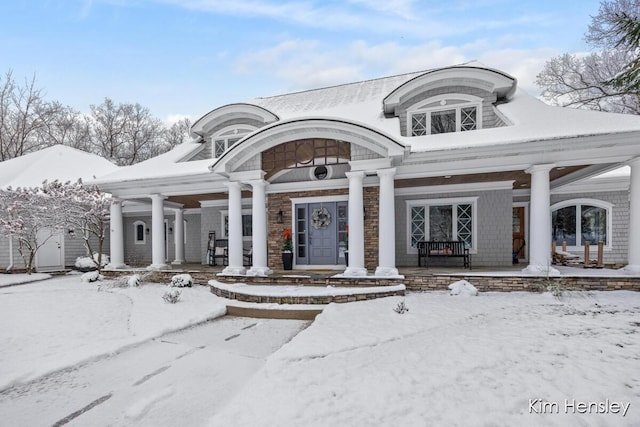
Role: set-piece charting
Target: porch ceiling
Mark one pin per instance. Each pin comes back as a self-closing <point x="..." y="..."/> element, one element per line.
<point x="521" y="180"/>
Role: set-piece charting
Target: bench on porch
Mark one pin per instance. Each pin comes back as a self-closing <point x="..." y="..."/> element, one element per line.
<point x="451" y="249"/>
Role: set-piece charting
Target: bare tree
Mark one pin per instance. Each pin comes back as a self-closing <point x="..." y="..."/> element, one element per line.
<point x="177" y="133"/>
<point x="22" y="114"/>
<point x="63" y="125"/>
<point x="588" y="81"/>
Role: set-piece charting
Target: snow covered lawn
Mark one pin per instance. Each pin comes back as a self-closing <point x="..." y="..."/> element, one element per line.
<point x="495" y="359"/>
<point x="57" y="323"/>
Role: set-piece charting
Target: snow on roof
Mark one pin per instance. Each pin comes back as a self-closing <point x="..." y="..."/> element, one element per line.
<point x="362" y="103"/>
<point x="165" y="165"/>
<point x="56" y="162"/>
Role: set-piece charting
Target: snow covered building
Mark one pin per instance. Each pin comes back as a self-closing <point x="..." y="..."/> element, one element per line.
<point x="61" y="163"/>
<point x="450" y="154"/>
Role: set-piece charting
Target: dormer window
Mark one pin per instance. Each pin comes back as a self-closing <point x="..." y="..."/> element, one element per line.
<point x="226" y="138"/>
<point x="444" y="114"/>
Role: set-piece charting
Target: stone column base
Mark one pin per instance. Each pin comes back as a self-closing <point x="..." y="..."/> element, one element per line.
<point x="259" y="271"/>
<point x="388" y="272"/>
<point x="355" y="272"/>
<point x="233" y="271"/>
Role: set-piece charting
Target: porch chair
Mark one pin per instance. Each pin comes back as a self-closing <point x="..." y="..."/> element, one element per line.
<point x="220" y="251"/>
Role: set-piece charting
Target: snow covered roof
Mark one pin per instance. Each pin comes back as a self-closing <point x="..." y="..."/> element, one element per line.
<point x="56" y="162"/>
<point x="363" y="104"/>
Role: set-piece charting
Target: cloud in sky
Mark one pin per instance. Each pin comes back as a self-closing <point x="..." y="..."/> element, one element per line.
<point x="186" y="57"/>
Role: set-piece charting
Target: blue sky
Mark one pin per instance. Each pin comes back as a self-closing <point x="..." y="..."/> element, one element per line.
<point x="187" y="57"/>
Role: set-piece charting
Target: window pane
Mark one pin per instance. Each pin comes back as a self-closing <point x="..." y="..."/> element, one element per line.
<point x="468" y="119"/>
<point x="418" y="124"/>
<point x="564" y="225"/>
<point x="465" y="228"/>
<point x="247" y="226"/>
<point x="219" y="147"/>
<point x="594" y="224"/>
<point x="440" y="223"/>
<point x="139" y="233"/>
<point x="443" y="121"/>
<point x="417" y="225"/>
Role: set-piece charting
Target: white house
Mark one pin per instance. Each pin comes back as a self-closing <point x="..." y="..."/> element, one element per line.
<point x="56" y="162"/>
<point x="451" y="154"/>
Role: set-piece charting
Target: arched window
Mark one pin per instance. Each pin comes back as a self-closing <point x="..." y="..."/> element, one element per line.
<point x="139" y="233"/>
<point x="224" y="139"/>
<point x="444" y="114"/>
<point x="578" y="221"/>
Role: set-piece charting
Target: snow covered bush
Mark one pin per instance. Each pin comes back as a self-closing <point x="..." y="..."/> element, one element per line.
<point x="181" y="281"/>
<point x="91" y="276"/>
<point x="463" y="288"/>
<point x="172" y="295"/>
<point x="134" y="281"/>
<point x="86" y="263"/>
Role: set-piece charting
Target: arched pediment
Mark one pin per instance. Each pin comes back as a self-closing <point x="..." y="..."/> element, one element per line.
<point x="490" y="80"/>
<point x="240" y="113"/>
<point x="309" y="128"/>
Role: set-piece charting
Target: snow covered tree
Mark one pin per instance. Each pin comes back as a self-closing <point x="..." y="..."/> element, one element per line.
<point x="588" y="81"/>
<point x="32" y="218"/>
<point x="86" y="211"/>
<point x="628" y="29"/>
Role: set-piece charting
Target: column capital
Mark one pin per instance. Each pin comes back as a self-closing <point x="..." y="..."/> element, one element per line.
<point x="157" y="196"/>
<point x="233" y="185"/>
<point x="257" y="183"/>
<point x="390" y="172"/>
<point x="355" y="174"/>
<point x="540" y="168"/>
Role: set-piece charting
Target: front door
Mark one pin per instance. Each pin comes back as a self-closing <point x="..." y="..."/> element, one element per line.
<point x="320" y="233"/>
<point x="50" y="256"/>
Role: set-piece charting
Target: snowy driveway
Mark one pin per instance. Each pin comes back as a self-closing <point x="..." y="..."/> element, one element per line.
<point x="182" y="378"/>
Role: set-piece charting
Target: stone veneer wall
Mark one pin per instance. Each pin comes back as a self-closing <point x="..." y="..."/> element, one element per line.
<point x="282" y="201"/>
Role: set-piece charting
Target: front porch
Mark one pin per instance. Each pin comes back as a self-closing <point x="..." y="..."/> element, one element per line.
<point x="416" y="279"/>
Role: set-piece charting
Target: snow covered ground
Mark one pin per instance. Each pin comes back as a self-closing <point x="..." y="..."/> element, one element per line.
<point x="53" y="324"/>
<point x="492" y="359"/>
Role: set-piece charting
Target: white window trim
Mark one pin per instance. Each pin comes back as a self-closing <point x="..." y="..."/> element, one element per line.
<point x="473" y="201"/>
<point x="591" y="202"/>
<point x="471" y="101"/>
<point x="144" y="233"/>
<point x="221" y="135"/>
<point x="224" y="214"/>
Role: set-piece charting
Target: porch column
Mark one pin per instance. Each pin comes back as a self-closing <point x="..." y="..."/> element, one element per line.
<point x="259" y="228"/>
<point x="633" y="256"/>
<point x="158" y="256"/>
<point x="178" y="235"/>
<point x="386" y="225"/>
<point x="356" y="226"/>
<point x="116" y="235"/>
<point x="235" y="266"/>
<point x="540" y="223"/>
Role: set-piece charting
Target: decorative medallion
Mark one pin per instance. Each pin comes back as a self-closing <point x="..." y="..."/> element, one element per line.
<point x="321" y="218"/>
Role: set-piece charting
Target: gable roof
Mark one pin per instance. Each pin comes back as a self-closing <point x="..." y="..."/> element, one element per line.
<point x="56" y="162"/>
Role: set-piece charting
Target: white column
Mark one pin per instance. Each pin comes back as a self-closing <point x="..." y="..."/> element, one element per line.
<point x="540" y="222"/>
<point x="633" y="254"/>
<point x="158" y="255"/>
<point x="235" y="266"/>
<point x="259" y="227"/>
<point x="116" y="235"/>
<point x="178" y="235"/>
<point x="356" y="226"/>
<point x="386" y="225"/>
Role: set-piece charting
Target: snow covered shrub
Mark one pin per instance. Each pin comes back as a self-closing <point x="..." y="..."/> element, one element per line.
<point x="134" y="280"/>
<point x="181" y="281"/>
<point x="463" y="288"/>
<point x="85" y="263"/>
<point x="172" y="295"/>
<point x="91" y="276"/>
<point x="401" y="308"/>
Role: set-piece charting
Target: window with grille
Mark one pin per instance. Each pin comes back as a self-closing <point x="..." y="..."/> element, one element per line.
<point x="578" y="221"/>
<point x="445" y="114"/>
<point x="442" y="220"/>
<point x="226" y="139"/>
